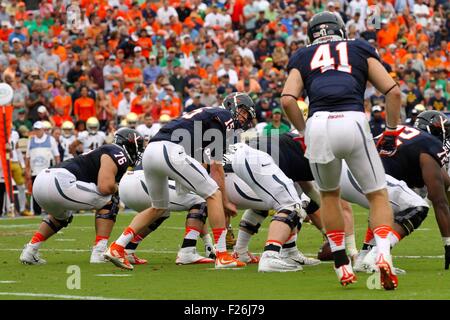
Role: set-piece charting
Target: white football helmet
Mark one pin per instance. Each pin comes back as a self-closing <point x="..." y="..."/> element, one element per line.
<point x="67" y="129"/>
<point x="92" y="125"/>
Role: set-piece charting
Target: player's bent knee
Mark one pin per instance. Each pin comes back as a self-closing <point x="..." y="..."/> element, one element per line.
<point x="252" y="219"/>
<point x="292" y="217"/>
<point x="411" y="219"/>
<point x="198" y="212"/>
<point x="109" y="211"/>
<point x="61" y="223"/>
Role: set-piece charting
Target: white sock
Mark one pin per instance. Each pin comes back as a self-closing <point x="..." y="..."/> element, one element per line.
<point x="242" y="241"/>
<point x="350" y="244"/>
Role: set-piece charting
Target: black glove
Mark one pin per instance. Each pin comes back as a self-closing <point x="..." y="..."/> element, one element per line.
<point x="447" y="257"/>
<point x="387" y="145"/>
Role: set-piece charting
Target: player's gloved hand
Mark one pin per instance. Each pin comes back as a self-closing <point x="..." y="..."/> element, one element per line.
<point x="301" y="140"/>
<point x="387" y="144"/>
<point x="447" y="257"/>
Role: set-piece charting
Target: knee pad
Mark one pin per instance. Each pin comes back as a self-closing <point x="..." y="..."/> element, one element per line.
<point x="201" y="214"/>
<point x="252" y="219"/>
<point x="113" y="210"/>
<point x="411" y="219"/>
<point x="54" y="227"/>
<point x="294" y="217"/>
<point x="157" y="223"/>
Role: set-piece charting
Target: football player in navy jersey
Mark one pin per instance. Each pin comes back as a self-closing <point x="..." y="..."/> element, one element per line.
<point x="334" y="70"/>
<point x="420" y="161"/>
<point x="86" y="182"/>
<point x="176" y="152"/>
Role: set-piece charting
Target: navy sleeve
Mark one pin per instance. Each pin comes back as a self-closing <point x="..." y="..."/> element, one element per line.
<point x="366" y="50"/>
<point x="117" y="155"/>
<point x="435" y="149"/>
<point x="295" y="61"/>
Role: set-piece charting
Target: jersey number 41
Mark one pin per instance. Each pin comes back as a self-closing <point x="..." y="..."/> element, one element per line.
<point x="322" y="58"/>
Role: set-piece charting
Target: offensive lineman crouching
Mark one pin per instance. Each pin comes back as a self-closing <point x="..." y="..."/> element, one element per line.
<point x="86" y="182"/>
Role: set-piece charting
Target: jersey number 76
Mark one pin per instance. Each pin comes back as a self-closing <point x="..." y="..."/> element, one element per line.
<point x="322" y="58"/>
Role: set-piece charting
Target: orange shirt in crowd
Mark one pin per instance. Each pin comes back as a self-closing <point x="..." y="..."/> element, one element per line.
<point x="433" y="63"/>
<point x="61" y="52"/>
<point x="58" y="120"/>
<point x="93" y="31"/>
<point x="84" y="108"/>
<point x="132" y="73"/>
<point x="146" y="45"/>
<point x="115" y="99"/>
<point x="56" y="30"/>
<point x="4" y="34"/>
<point x="386" y="37"/>
<point x="171" y="107"/>
<point x="65" y="103"/>
<point x="136" y="106"/>
<point x="187" y="48"/>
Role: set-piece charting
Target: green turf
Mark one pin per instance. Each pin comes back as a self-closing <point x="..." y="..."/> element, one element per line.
<point x="162" y="279"/>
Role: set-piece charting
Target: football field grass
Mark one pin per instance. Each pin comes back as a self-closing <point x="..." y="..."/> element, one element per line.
<point x="421" y="255"/>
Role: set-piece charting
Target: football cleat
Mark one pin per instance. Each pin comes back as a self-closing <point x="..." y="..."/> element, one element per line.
<point x="271" y="261"/>
<point x="97" y="253"/>
<point x="358" y="265"/>
<point x="246" y="257"/>
<point x="30" y="255"/>
<point x="368" y="262"/>
<point x="345" y="274"/>
<point x="133" y="258"/>
<point x="116" y="254"/>
<point x="190" y="256"/>
<point x="293" y="255"/>
<point x="225" y="260"/>
<point x="388" y="278"/>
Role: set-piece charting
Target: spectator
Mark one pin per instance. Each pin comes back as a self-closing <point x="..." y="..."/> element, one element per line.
<point x="42" y="152"/>
<point x="227" y="69"/>
<point x="438" y="101"/>
<point x="124" y="106"/>
<point x="152" y="71"/>
<point x="84" y="106"/>
<point x="377" y="123"/>
<point x="96" y="73"/>
<point x="276" y="126"/>
<point x="22" y="120"/>
<point x="171" y="104"/>
<point x="112" y="73"/>
<point x="413" y="95"/>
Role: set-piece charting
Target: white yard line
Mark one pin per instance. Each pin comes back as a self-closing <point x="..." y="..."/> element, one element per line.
<point x="56" y="296"/>
<point x="112" y="275"/>
<point x="7" y="281"/>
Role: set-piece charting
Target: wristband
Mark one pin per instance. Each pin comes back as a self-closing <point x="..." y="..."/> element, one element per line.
<point x="390" y="128"/>
<point x="446" y="241"/>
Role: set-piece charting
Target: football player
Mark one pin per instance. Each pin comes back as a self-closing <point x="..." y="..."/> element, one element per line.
<point x="67" y="138"/>
<point x="420" y="161"/>
<point x="176" y="152"/>
<point x="133" y="192"/>
<point x="86" y="182"/>
<point x="91" y="138"/>
<point x="334" y="70"/>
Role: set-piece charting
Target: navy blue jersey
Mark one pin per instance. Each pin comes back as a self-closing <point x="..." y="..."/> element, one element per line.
<point x="334" y="74"/>
<point x="87" y="165"/>
<point x="288" y="155"/>
<point x="191" y="131"/>
<point x="405" y="164"/>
